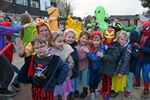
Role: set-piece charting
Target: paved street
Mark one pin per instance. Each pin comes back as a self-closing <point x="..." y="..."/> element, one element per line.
<point x="25" y="94"/>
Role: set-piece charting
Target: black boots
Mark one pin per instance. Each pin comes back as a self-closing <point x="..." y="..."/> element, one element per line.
<point x="76" y="94"/>
<point x="84" y="93"/>
<point x="113" y="94"/>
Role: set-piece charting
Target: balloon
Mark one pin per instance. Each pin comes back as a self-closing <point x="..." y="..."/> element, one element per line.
<point x="53" y="16"/>
<point x="75" y="25"/>
<point x="100" y="17"/>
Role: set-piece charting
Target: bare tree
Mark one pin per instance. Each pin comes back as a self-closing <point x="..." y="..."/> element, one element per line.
<point x="65" y="8"/>
<point x="146" y="4"/>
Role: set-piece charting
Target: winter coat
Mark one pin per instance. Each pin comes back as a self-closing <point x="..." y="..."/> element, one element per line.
<point x="110" y="59"/>
<point x="75" y="59"/>
<point x="123" y="64"/>
<point x="95" y="68"/>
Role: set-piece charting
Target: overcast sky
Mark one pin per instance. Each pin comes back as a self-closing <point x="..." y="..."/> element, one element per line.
<point x="113" y="7"/>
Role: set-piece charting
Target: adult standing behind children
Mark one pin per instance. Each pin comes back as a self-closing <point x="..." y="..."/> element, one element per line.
<point x="6" y="72"/>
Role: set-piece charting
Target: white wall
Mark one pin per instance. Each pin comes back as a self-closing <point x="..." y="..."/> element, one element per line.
<point x="44" y="4"/>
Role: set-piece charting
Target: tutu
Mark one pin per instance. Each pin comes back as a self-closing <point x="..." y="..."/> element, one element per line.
<point x="63" y="89"/>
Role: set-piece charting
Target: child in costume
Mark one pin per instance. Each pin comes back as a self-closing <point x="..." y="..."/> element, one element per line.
<point x="69" y="35"/>
<point x="83" y="62"/>
<point x="145" y="56"/>
<point x="64" y="52"/>
<point x="110" y="59"/>
<point x="109" y="35"/>
<point x="134" y="38"/>
<point x="95" y="62"/>
<point x="45" y="71"/>
<point x="119" y="78"/>
<point x="141" y="59"/>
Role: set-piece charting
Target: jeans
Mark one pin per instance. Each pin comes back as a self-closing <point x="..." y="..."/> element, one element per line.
<point x="75" y="84"/>
<point x="129" y="84"/>
<point x="138" y="69"/>
<point x="84" y="77"/>
<point x="6" y="72"/>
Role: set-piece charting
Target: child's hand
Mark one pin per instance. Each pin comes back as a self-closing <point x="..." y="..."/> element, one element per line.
<point x="106" y="47"/>
<point x="26" y="25"/>
<point x="136" y="44"/>
<point x="100" y="54"/>
<point x="18" y="41"/>
<point x="119" y="75"/>
<point x="20" y="47"/>
<point x="86" y="50"/>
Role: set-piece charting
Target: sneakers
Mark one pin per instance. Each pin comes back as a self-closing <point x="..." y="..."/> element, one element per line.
<point x="113" y="94"/>
<point x="84" y="93"/>
<point x="127" y="94"/>
<point x="106" y="95"/>
<point x="136" y="85"/>
<point x="96" y="93"/>
<point x="6" y="92"/>
<point x="145" y="94"/>
<point x="17" y="88"/>
<point x="93" y="96"/>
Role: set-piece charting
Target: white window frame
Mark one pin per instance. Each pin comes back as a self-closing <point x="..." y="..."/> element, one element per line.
<point x="22" y="2"/>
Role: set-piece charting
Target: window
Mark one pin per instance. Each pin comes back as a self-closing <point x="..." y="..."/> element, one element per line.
<point x="45" y="5"/>
<point x="34" y="4"/>
<point x="22" y="2"/>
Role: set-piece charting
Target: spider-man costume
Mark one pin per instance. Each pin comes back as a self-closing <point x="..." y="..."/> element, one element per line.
<point x="144" y="57"/>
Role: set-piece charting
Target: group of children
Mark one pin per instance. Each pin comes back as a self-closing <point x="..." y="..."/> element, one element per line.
<point x="58" y="65"/>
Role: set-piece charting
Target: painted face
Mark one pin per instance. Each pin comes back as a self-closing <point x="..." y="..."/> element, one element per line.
<point x="109" y="35"/>
<point x="84" y="40"/>
<point x="59" y="43"/>
<point x="122" y="40"/>
<point x="70" y="38"/>
<point x="40" y="49"/>
<point x="44" y="32"/>
<point x="96" y="41"/>
<point x="131" y="22"/>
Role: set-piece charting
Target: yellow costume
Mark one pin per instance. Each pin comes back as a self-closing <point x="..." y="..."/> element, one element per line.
<point x="118" y="83"/>
<point x="53" y="16"/>
<point x="75" y="25"/>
